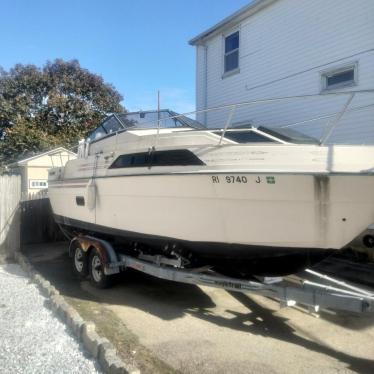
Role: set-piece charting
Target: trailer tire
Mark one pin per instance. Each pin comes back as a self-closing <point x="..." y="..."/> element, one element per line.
<point x="96" y="269"/>
<point x="368" y="241"/>
<point x="80" y="261"/>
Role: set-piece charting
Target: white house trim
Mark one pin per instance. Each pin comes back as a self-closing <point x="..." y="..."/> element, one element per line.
<point x="245" y="12"/>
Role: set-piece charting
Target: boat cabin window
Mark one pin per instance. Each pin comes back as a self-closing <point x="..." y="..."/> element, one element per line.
<point x="112" y="125"/>
<point x="134" y="160"/>
<point x="149" y="119"/>
<point x="97" y="134"/>
<point x="142" y="120"/>
<point x="179" y="157"/>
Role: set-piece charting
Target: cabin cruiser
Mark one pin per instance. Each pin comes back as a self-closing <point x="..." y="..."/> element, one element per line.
<point x="244" y="200"/>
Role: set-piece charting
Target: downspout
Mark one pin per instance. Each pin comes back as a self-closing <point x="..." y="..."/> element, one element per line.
<point x="201" y="82"/>
<point x="205" y="84"/>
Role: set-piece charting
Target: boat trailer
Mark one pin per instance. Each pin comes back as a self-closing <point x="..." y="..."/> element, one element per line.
<point x="100" y="260"/>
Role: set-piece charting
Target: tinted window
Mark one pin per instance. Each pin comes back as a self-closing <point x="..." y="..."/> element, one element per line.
<point x="132" y="160"/>
<point x="178" y="157"/>
<point x="245" y="137"/>
<point x="158" y="158"/>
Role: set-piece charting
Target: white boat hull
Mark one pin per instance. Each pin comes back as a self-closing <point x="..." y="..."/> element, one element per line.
<point x="270" y="210"/>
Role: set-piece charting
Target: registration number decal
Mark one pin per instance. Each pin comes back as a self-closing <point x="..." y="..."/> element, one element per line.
<point x="239" y="179"/>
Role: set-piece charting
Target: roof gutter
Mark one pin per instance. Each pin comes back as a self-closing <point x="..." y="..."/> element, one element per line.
<point x="245" y="12"/>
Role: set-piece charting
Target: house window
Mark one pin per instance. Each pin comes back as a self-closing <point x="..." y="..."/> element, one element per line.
<point x="342" y="77"/>
<point x="231" y="62"/>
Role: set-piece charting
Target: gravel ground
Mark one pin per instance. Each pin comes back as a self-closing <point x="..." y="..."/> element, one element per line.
<point x="32" y="339"/>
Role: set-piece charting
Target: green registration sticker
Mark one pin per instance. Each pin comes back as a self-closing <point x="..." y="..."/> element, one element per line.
<point x="270" y="180"/>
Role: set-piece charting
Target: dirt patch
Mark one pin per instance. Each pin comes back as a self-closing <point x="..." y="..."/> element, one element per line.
<point x="126" y="343"/>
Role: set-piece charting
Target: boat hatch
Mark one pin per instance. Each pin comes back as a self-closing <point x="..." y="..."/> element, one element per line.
<point x="289" y="135"/>
<point x="262" y="134"/>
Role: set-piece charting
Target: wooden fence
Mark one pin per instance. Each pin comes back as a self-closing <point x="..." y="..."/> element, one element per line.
<point x="37" y="222"/>
<point x="10" y="196"/>
<point x="24" y="219"/>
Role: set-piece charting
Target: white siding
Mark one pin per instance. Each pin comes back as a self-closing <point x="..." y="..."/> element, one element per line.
<point x="283" y="50"/>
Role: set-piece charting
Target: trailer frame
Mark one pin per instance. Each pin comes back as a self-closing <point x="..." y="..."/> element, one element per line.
<point x="325" y="293"/>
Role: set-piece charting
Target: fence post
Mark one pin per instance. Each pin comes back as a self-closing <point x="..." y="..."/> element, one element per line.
<point x="10" y="197"/>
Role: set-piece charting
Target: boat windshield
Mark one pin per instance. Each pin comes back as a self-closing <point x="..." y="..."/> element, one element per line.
<point x="289" y="135"/>
<point x="142" y="120"/>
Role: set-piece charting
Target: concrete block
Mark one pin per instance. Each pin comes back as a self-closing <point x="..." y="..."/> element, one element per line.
<point x="44" y="288"/>
<point x="53" y="291"/>
<point x="56" y="300"/>
<point x="62" y="310"/>
<point x="76" y="325"/>
<point x="106" y="358"/>
<point x="117" y="366"/>
<point x="71" y="316"/>
<point x="22" y="263"/>
<point x="91" y="340"/>
<point x="37" y="278"/>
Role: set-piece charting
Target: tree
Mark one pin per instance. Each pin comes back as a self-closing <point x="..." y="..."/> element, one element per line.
<point x="56" y="105"/>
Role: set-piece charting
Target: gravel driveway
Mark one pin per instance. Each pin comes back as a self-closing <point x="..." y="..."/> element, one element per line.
<point x="32" y="339"/>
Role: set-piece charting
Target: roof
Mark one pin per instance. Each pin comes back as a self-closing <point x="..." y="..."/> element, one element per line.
<point x="48" y="153"/>
<point x="244" y="12"/>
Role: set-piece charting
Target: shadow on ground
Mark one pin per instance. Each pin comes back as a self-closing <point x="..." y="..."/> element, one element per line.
<point x="262" y="321"/>
<point x="169" y="300"/>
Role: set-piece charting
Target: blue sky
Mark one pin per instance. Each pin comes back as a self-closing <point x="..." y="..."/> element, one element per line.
<point x="139" y="46"/>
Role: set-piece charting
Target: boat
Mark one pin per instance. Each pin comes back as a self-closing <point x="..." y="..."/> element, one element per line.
<point x="243" y="200"/>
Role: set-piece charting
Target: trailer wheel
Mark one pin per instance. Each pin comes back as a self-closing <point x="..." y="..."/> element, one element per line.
<point x="368" y="241"/>
<point x="97" y="276"/>
<point x="80" y="261"/>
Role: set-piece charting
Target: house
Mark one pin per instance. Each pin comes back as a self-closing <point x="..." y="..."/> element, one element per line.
<point x="34" y="170"/>
<point x="321" y="50"/>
